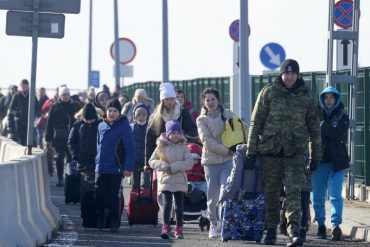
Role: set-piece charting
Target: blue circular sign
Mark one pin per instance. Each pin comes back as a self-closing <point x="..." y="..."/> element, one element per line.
<point x="343" y="12"/>
<point x="272" y="55"/>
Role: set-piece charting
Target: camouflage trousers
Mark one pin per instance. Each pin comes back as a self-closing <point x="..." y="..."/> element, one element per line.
<point x="277" y="171"/>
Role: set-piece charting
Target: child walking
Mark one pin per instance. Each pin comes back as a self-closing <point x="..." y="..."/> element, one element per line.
<point x="139" y="126"/>
<point x="171" y="159"/>
<point x="114" y="160"/>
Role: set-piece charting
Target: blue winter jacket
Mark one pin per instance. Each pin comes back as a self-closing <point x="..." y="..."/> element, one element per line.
<point x="115" y="147"/>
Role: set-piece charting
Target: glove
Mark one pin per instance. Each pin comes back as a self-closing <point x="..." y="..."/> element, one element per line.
<point x="165" y="168"/>
<point x="312" y="165"/>
<point x="249" y="162"/>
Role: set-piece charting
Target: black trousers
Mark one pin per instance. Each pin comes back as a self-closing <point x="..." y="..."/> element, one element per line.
<point x="61" y="152"/>
<point x="107" y="188"/>
<point x="179" y="206"/>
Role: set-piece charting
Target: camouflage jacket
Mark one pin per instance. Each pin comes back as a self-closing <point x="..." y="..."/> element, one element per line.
<point x="284" y="121"/>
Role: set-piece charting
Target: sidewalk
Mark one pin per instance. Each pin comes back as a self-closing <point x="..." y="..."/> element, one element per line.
<point x="356" y="219"/>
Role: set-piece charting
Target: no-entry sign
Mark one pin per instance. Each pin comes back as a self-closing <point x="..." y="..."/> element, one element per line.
<point x="127" y="50"/>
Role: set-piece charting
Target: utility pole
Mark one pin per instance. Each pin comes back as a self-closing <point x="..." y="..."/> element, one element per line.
<point x="245" y="94"/>
<point x="165" y="76"/>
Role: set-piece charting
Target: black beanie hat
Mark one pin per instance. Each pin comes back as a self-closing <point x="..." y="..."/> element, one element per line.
<point x="115" y="104"/>
<point x="89" y="112"/>
<point x="141" y="105"/>
<point x="289" y="65"/>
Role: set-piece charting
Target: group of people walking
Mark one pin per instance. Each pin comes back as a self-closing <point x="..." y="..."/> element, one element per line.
<point x="291" y="132"/>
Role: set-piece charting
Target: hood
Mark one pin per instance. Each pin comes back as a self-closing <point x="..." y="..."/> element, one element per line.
<point x="164" y="141"/>
<point x="100" y="95"/>
<point x="333" y="90"/>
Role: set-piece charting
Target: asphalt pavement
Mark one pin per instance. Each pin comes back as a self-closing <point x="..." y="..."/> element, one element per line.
<point x="71" y="233"/>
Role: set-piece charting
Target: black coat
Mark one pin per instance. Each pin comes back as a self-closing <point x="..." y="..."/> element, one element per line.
<point x="60" y="121"/>
<point x="188" y="127"/>
<point x="18" y="109"/>
<point x="139" y="132"/>
<point x="334" y="138"/>
<point x="82" y="143"/>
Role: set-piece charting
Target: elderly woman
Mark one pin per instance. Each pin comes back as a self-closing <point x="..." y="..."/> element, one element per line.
<point x="139" y="97"/>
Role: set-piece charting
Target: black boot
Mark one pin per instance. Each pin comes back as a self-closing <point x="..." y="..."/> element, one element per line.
<point x="114" y="225"/>
<point x="321" y="232"/>
<point x="302" y="234"/>
<point x="102" y="219"/>
<point x="270" y="238"/>
<point x="337" y="233"/>
<point x="295" y="240"/>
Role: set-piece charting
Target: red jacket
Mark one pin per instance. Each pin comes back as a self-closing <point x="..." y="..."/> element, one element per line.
<point x="196" y="174"/>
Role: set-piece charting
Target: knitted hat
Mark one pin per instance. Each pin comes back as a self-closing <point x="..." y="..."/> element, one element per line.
<point x="142" y="106"/>
<point x="289" y="65"/>
<point x="172" y="126"/>
<point x="63" y="90"/>
<point x="140" y="92"/>
<point x="166" y="90"/>
<point x="115" y="104"/>
<point x="89" y="112"/>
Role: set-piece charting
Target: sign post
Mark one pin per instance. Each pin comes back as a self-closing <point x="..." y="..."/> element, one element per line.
<point x="36" y="24"/>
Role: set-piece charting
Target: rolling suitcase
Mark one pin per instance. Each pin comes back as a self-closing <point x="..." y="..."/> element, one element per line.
<point x="244" y="215"/>
<point x="143" y="206"/>
<point x="72" y="184"/>
<point x="88" y="204"/>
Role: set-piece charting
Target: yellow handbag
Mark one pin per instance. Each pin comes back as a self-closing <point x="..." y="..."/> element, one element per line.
<point x="234" y="133"/>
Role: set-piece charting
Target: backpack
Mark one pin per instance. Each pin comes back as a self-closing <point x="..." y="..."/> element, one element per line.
<point x="234" y="133"/>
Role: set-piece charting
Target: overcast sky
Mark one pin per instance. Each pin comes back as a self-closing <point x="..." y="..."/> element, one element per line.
<point x="199" y="41"/>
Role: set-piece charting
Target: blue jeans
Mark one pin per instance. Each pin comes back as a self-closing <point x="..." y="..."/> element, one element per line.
<point x="216" y="176"/>
<point x="325" y="179"/>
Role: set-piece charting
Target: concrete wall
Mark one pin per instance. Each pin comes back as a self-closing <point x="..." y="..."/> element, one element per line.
<point x="29" y="217"/>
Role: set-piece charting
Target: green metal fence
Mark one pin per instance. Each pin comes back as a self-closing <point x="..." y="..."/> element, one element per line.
<point x="316" y="80"/>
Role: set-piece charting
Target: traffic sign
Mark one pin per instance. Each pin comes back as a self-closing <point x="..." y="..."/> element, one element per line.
<point x="57" y="6"/>
<point x="234" y="30"/>
<point x="127" y="50"/>
<point x="272" y="55"/>
<point x="343" y="12"/>
<point x="124" y="70"/>
<point x="95" y="78"/>
<point x="344" y="54"/>
<point x="20" y="24"/>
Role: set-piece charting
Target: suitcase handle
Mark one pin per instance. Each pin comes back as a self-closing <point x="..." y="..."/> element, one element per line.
<point x="151" y="183"/>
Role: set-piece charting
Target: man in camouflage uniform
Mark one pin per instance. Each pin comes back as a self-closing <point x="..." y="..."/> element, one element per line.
<point x="283" y="122"/>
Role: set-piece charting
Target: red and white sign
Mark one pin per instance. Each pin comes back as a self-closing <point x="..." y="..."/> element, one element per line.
<point x="127" y="50"/>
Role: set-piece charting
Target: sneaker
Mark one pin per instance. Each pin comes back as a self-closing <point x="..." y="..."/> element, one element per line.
<point x="178" y="232"/>
<point x="213" y="231"/>
<point x="295" y="240"/>
<point x="337" y="233"/>
<point x="270" y="238"/>
<point x="321" y="232"/>
<point x="165" y="231"/>
<point x="302" y="234"/>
